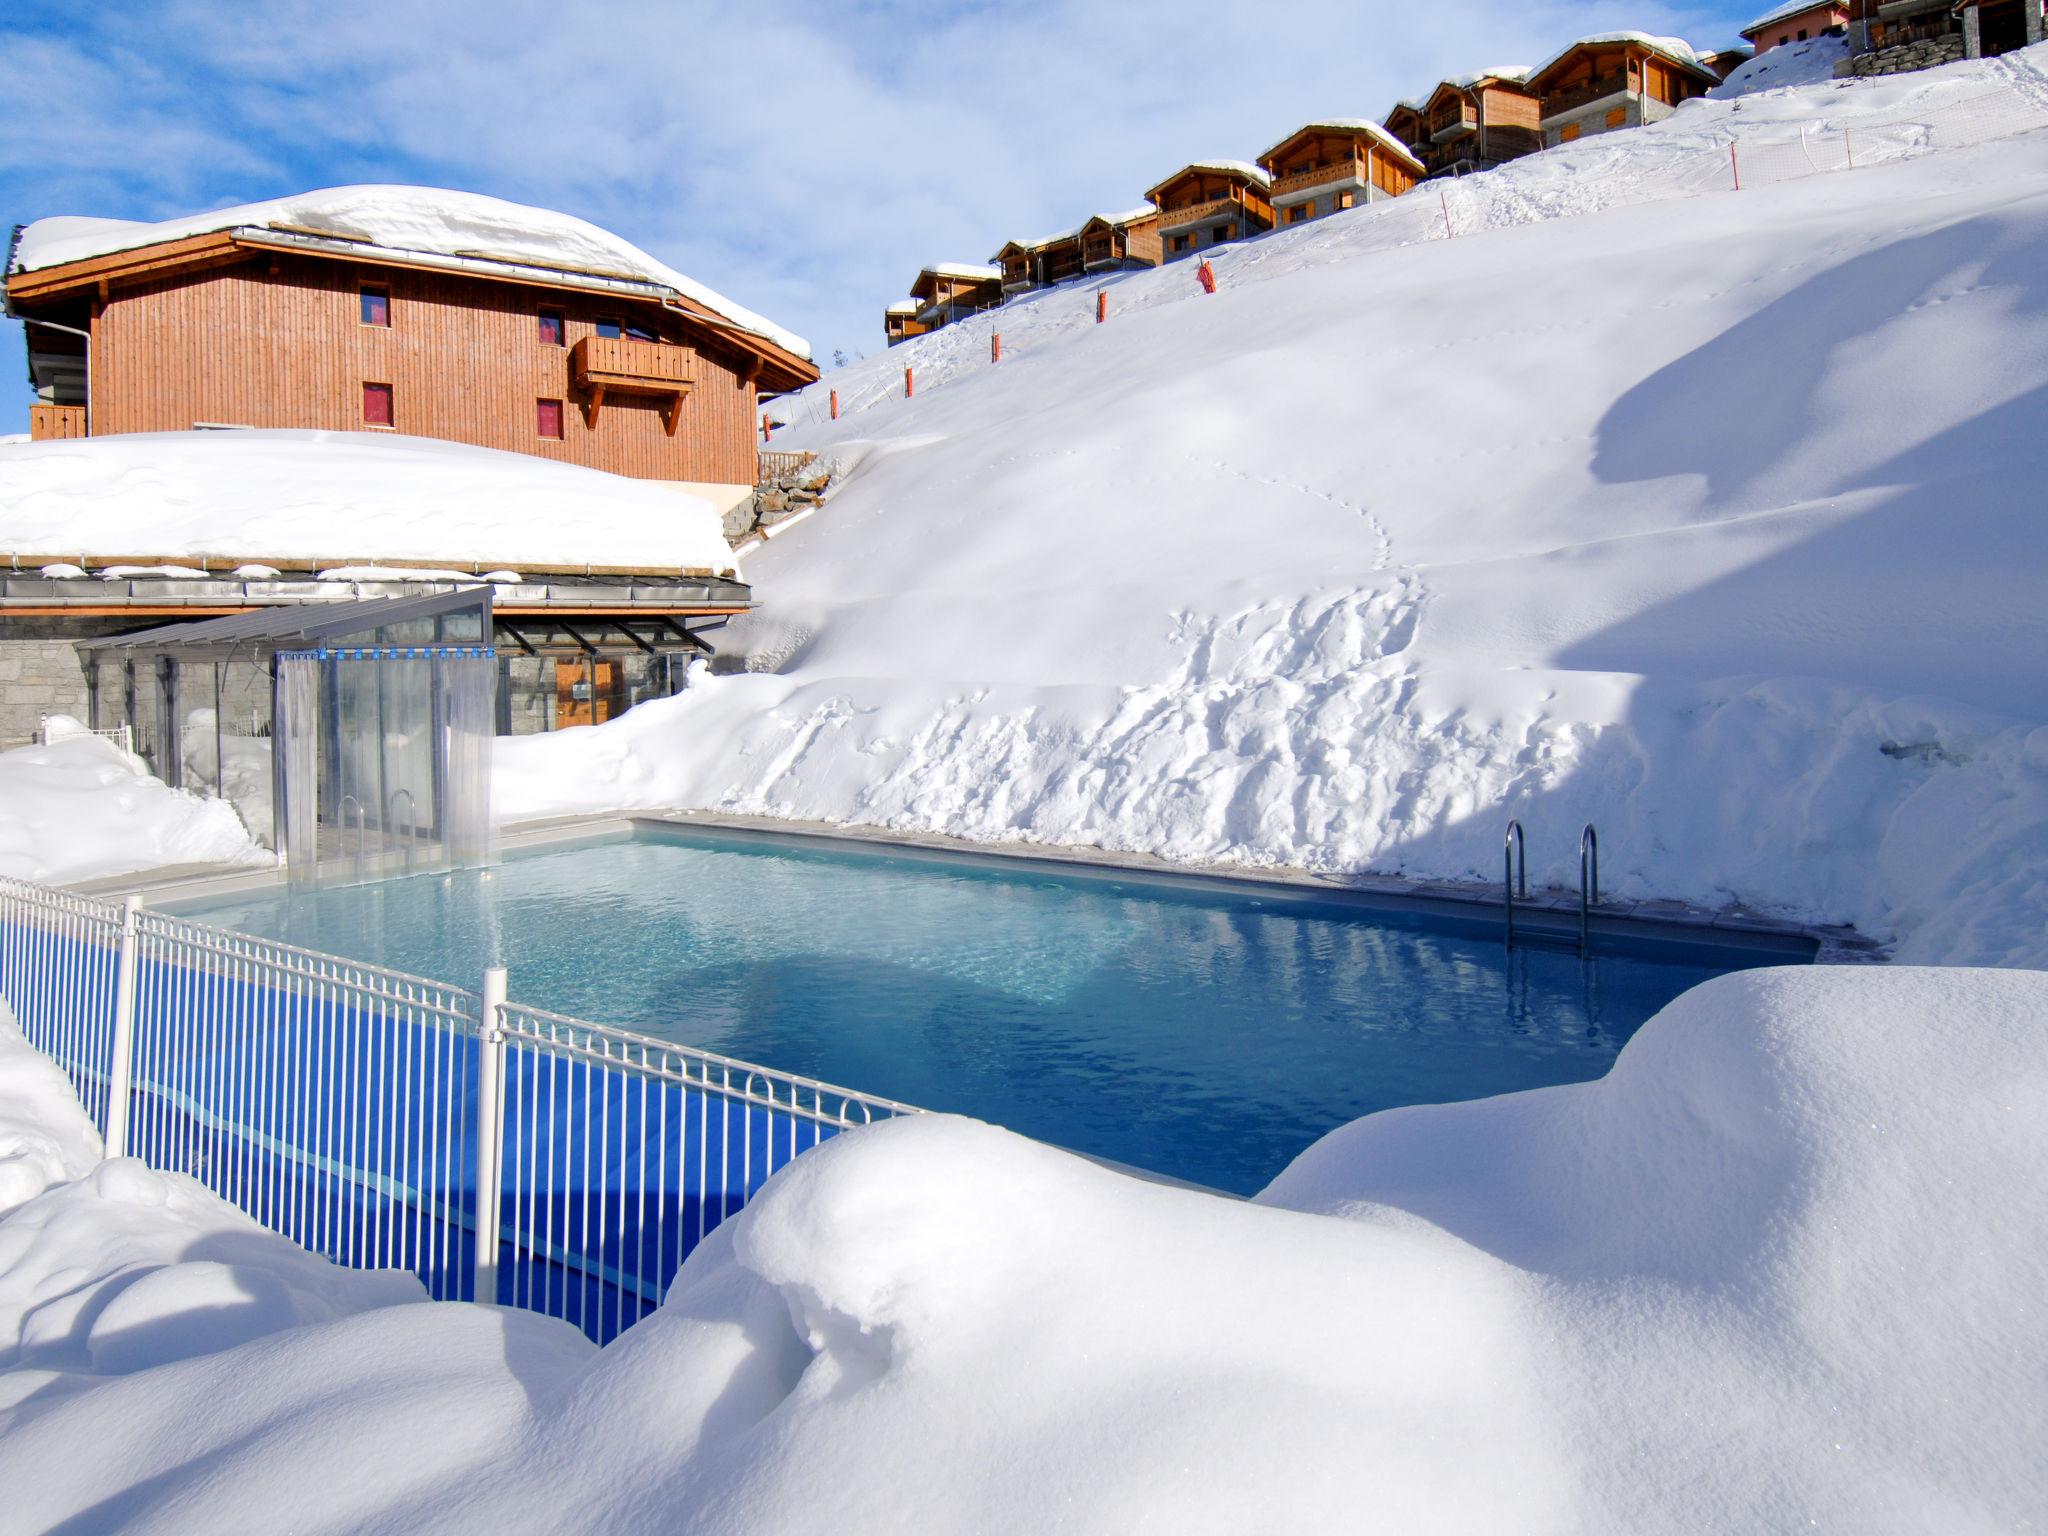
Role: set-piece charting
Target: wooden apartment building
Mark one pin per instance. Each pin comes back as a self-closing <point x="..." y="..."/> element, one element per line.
<point x="1325" y="167"/>
<point x="1211" y="202"/>
<point x="1476" y="122"/>
<point x="267" y="324"/>
<point x="1616" y="80"/>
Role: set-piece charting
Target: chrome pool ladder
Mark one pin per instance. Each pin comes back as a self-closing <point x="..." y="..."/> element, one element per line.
<point x="1589" y="879"/>
<point x="1514" y="853"/>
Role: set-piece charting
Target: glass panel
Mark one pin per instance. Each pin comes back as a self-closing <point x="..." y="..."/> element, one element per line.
<point x="298" y="729"/>
<point x="607" y="327"/>
<point x="376" y="307"/>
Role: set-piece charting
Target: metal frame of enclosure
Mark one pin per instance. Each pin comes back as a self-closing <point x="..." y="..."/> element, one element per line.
<point x="354" y="737"/>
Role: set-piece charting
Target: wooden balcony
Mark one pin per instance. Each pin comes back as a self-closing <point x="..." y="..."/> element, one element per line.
<point x="1195" y="213"/>
<point x="1557" y="103"/>
<point x="47" y="423"/>
<point x="1331" y="174"/>
<point x="1452" y="127"/>
<point x="620" y="365"/>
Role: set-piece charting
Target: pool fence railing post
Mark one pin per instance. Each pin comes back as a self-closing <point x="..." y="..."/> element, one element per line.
<point x="490" y="1133"/>
<point x="121" y="1053"/>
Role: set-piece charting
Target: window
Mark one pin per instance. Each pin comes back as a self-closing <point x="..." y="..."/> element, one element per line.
<point x="376" y="305"/>
<point x="612" y="325"/>
<point x="377" y="405"/>
<point x="547" y="419"/>
<point x="1180" y="242"/>
<point x="1617" y="117"/>
<point x="1344" y="200"/>
<point x="635" y="333"/>
<point x="608" y="325"/>
<point x="1301" y="211"/>
<point x="1219" y="234"/>
<point x="551" y="328"/>
<point x="1802" y="34"/>
<point x="1567" y="133"/>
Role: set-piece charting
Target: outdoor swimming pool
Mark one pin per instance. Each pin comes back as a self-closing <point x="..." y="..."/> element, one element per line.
<point x="1197" y="1029"/>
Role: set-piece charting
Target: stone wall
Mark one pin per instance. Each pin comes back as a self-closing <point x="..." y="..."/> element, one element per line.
<point x="777" y="498"/>
<point x="1905" y="58"/>
<point x="40" y="674"/>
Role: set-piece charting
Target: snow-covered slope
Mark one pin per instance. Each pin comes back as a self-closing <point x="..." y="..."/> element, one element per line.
<point x="1781" y="1268"/>
<point x="1708" y="517"/>
<point x="428" y="220"/>
<point x="332" y="497"/>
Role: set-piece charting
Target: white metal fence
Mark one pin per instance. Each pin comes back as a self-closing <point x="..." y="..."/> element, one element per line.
<point x="371" y="1116"/>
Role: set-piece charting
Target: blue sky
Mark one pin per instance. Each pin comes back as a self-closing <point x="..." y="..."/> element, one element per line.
<point x="804" y="158"/>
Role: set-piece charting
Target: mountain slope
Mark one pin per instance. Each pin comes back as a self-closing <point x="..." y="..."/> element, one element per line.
<point x="1708" y="517"/>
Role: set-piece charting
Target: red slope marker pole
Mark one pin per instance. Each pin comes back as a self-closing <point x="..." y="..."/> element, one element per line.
<point x="835" y="405"/>
<point x="1101" y="307"/>
<point x="1734" y="166"/>
<point x="995" y="347"/>
<point x="909" y="384"/>
<point x="1444" y="199"/>
<point x="767" y="430"/>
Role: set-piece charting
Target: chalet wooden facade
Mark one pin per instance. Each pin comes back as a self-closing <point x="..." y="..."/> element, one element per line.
<point x="954" y="290"/>
<point x="1617" y="80"/>
<point x="1796" y="23"/>
<point x="269" y="326"/>
<point x="1211" y="202"/>
<point x="1040" y="263"/>
<point x="900" y="322"/>
<point x="1477" y="122"/>
<point x="1112" y="242"/>
<point x="1325" y="167"/>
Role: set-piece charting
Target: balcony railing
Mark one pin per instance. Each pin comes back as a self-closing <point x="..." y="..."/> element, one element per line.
<point x="1195" y="213"/>
<point x="1332" y="173"/>
<point x="1464" y="122"/>
<point x="49" y="422"/>
<point x="601" y="365"/>
<point x="1556" y="103"/>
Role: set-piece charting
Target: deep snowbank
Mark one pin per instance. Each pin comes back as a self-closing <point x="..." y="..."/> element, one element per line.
<point x="333" y="497"/>
<point x="1711" y="520"/>
<point x="1781" y="1267"/>
<point x="81" y="807"/>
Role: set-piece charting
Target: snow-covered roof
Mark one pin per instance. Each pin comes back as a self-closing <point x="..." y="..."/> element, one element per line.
<point x="904" y="307"/>
<point x="1676" y="49"/>
<point x="1128" y="216"/>
<point x="338" y="498"/>
<point x="1787" y="11"/>
<point x="1244" y="168"/>
<point x="421" y="220"/>
<point x="1364" y="125"/>
<point x="962" y="269"/>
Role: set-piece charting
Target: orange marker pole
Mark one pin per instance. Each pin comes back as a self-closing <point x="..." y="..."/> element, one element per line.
<point x="1734" y="166"/>
<point x="767" y="430"/>
<point x="995" y="347"/>
<point x="835" y="405"/>
<point x="1101" y="307"/>
<point x="909" y="384"/>
<point x="1441" y="197"/>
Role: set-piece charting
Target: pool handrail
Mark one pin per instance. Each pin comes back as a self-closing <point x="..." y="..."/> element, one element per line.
<point x="1514" y="872"/>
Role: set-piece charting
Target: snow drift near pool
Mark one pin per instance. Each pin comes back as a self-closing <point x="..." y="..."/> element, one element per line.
<point x="1782" y="1267"/>
<point x="332" y="497"/>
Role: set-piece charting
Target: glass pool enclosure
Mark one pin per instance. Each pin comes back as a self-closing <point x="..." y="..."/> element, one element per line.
<point x="1205" y="1030"/>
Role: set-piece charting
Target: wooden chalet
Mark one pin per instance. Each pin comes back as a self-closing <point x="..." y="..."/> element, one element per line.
<point x="1616" y="80"/>
<point x="1991" y="27"/>
<point x="1796" y="22"/>
<point x="1479" y="121"/>
<point x="953" y="290"/>
<point x="1324" y="167"/>
<point x="1112" y="242"/>
<point x="260" y="322"/>
<point x="1725" y="61"/>
<point x="1028" y="264"/>
<point x="900" y="322"/>
<point x="1211" y="202"/>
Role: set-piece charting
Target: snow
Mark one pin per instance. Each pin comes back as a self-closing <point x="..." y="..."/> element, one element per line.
<point x="336" y="497"/>
<point x="967" y="270"/>
<point x="81" y="808"/>
<point x="424" y="220"/>
<point x="905" y="307"/>
<point x="1781" y="1266"/>
<point x="1128" y="216"/>
<point x="1710" y="520"/>
<point x="1809" y="63"/>
<point x="1243" y="168"/>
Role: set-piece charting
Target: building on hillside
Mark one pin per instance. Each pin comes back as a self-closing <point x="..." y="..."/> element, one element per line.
<point x="900" y="322"/>
<point x="399" y="309"/>
<point x="1795" y="22"/>
<point x="1112" y="242"/>
<point x="1040" y="263"/>
<point x="953" y="290"/>
<point x="1406" y="124"/>
<point x="1992" y="27"/>
<point x="1479" y="121"/>
<point x="1725" y="61"/>
<point x="1211" y="202"/>
<point x="1616" y="80"/>
<point x="1327" y="166"/>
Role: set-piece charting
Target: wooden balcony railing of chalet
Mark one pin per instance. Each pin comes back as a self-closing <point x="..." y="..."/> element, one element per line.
<point x="1557" y="102"/>
<point x="1195" y="213"/>
<point x="621" y="365"/>
<point x="1353" y="169"/>
<point x="1450" y="127"/>
<point x="49" y="422"/>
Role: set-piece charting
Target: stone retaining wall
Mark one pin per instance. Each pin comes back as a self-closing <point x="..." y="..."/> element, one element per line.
<point x="1905" y="58"/>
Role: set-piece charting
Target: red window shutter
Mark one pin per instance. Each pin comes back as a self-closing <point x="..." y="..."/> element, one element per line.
<point x="377" y="405"/>
<point x="548" y="418"/>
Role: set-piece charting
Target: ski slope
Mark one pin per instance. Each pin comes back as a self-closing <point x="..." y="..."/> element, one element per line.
<point x="1709" y="517"/>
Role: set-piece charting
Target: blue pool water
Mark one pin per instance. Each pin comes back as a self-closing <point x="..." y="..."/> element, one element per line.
<point x="1201" y="1031"/>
